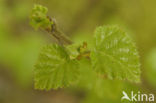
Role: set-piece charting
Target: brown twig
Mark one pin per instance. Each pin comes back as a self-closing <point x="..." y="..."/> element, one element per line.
<point x="56" y="33"/>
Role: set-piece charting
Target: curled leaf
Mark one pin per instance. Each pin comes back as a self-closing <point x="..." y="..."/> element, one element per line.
<point x="39" y="19"/>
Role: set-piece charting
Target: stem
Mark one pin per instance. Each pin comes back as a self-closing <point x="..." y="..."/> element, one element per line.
<point x="59" y="35"/>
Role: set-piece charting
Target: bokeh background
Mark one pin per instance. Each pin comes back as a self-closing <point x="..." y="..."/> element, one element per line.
<point x="20" y="43"/>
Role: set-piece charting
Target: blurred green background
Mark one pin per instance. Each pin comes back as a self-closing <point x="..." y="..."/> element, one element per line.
<point x="20" y="44"/>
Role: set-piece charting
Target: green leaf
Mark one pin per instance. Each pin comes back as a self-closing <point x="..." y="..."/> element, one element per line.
<point x="150" y="67"/>
<point x="39" y="19"/>
<point x="72" y="50"/>
<point x="54" y="68"/>
<point x="115" y="55"/>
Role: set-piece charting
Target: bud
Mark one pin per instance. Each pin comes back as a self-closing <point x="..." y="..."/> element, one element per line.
<point x="39" y="19"/>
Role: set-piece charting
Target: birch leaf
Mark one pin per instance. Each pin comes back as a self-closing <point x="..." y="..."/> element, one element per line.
<point x="54" y="68"/>
<point x="115" y="56"/>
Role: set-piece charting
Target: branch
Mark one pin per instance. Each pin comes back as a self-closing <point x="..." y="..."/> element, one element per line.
<point x="39" y="19"/>
<point x="58" y="34"/>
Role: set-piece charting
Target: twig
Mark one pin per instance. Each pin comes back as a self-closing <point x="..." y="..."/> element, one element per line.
<point x="59" y="35"/>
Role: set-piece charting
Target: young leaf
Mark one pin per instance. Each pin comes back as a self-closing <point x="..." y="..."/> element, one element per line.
<point x="115" y="55"/>
<point x="39" y="19"/>
<point x="54" y="68"/>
